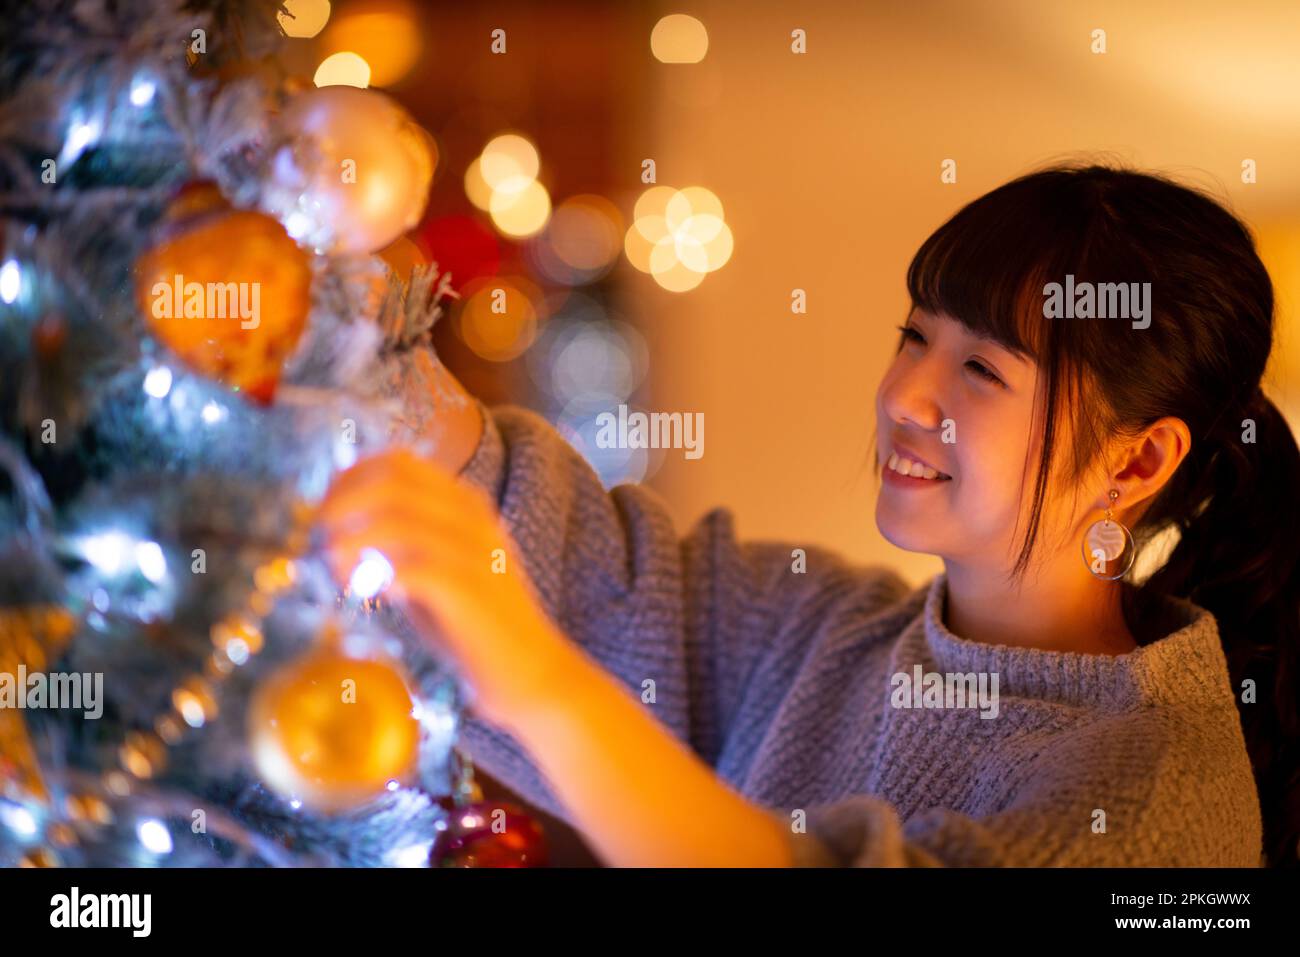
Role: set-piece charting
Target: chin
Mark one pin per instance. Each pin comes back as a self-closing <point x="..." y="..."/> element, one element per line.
<point x="900" y="532"/>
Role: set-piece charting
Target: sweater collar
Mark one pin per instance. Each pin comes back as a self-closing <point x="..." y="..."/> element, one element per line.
<point x="1188" y="661"/>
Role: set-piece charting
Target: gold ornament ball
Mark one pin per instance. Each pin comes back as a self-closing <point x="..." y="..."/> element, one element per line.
<point x="227" y="290"/>
<point x="332" y="730"/>
<point x="356" y="172"/>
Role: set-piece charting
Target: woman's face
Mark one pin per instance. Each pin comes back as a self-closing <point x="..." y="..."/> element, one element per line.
<point x="964" y="406"/>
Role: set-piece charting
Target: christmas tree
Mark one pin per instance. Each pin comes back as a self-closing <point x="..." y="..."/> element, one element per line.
<point x="196" y="335"/>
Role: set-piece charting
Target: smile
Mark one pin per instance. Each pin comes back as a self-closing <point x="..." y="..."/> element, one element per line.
<point x="914" y="469"/>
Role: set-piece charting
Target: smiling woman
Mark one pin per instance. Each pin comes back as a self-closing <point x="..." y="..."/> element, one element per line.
<point x="706" y="701"/>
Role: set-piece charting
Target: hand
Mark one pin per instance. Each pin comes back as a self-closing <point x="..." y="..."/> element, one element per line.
<point x="441" y="537"/>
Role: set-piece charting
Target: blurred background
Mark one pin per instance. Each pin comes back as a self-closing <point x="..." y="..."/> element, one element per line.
<point x="668" y="286"/>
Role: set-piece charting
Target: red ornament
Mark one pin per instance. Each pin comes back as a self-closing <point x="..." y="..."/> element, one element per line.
<point x="490" y="834"/>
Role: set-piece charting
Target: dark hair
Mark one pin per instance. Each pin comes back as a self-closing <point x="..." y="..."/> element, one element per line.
<point x="1232" y="501"/>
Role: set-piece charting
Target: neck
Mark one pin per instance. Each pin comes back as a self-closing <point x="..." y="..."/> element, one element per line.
<point x="1055" y="608"/>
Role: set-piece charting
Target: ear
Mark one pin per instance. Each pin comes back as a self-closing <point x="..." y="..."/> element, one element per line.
<point x="1149" y="461"/>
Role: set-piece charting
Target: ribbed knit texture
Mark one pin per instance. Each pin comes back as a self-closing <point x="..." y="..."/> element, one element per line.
<point x="781" y="681"/>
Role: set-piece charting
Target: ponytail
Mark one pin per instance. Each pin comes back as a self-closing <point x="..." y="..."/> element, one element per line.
<point x="1239" y="557"/>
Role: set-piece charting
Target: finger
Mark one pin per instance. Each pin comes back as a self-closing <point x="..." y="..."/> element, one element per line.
<point x="400" y="463"/>
<point x="412" y="518"/>
<point x="406" y="553"/>
<point x="420" y="490"/>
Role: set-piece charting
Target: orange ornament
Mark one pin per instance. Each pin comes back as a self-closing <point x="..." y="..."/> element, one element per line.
<point x="332" y="730"/>
<point x="227" y="290"/>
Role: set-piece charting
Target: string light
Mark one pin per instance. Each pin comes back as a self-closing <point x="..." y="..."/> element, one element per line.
<point x="158" y="382"/>
<point x="82" y="133"/>
<point x="11" y="281"/>
<point x="154" y="836"/>
<point x="372" y="575"/>
<point x="142" y="91"/>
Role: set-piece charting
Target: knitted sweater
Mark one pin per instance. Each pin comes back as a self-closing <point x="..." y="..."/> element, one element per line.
<point x="791" y="679"/>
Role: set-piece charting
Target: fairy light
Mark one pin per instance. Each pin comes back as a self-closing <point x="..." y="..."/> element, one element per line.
<point x="154" y="836"/>
<point x="11" y="281"/>
<point x="108" y="551"/>
<point x="142" y="91"/>
<point x="81" y="134"/>
<point x="158" y="382"/>
<point x="18" y="819"/>
<point x="372" y="575"/>
<point x="213" y="413"/>
<point x="150" y="560"/>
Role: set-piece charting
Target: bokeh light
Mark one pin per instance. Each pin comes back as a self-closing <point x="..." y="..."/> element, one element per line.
<point x="523" y="213"/>
<point x="581" y="242"/>
<point x="509" y="163"/>
<point x="503" y="182"/>
<point x="343" y="69"/>
<point x="678" y="236"/>
<point x="580" y="425"/>
<point x="476" y="187"/>
<point x="385" y="33"/>
<point x="679" y="38"/>
<point x="303" y="18"/>
<point x="498" y="317"/>
<point x="586" y="351"/>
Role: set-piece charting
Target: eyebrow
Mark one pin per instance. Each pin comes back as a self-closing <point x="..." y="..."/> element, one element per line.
<point x="1021" y="355"/>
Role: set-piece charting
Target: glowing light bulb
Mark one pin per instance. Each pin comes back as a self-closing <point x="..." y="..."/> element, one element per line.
<point x="151" y="561"/>
<point x="154" y="836"/>
<point x="11" y="281"/>
<point x="158" y="382"/>
<point x="81" y="134"/>
<point x="108" y="551"/>
<point x="372" y="575"/>
<point x="142" y="91"/>
<point x="18" y="819"/>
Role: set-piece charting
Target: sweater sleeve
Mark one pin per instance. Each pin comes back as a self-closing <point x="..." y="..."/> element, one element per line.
<point x="684" y="622"/>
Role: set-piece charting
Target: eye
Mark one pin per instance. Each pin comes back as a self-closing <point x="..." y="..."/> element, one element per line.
<point x="983" y="372"/>
<point x="910" y="333"/>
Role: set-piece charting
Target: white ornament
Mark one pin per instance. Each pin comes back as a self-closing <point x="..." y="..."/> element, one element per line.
<point x="352" y="171"/>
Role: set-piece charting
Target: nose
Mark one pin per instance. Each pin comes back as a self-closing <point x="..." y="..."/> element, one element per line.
<point x="911" y="391"/>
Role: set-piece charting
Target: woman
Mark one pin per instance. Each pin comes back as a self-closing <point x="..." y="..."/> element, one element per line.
<point x="703" y="701"/>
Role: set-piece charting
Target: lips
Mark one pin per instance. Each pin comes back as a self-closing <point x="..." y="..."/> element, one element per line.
<point x="906" y="462"/>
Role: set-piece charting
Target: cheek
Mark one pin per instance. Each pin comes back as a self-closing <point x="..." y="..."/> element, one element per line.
<point x="989" y="490"/>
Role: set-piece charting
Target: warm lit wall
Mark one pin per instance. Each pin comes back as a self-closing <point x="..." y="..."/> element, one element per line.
<point x="828" y="164"/>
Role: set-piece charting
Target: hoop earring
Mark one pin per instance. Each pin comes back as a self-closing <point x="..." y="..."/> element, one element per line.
<point x="1108" y="548"/>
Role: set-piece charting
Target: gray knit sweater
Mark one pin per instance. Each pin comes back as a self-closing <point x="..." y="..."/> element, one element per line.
<point x="785" y="682"/>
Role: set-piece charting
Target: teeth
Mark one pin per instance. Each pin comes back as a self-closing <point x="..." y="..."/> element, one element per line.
<point x="908" y="467"/>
